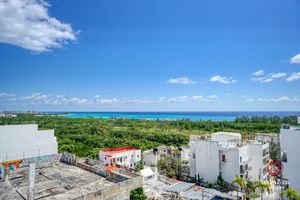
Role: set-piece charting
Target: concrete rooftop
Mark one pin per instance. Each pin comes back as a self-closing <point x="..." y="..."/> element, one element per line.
<point x="55" y="181"/>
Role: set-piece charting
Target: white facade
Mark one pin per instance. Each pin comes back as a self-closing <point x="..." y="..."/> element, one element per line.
<point x="271" y="138"/>
<point x="151" y="157"/>
<point x="226" y="156"/>
<point x="126" y="156"/>
<point x="25" y="141"/>
<point x="148" y="174"/>
<point x="290" y="148"/>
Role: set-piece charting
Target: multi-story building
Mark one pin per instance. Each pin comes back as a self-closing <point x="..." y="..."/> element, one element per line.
<point x="290" y="151"/>
<point x="152" y="156"/>
<point x="126" y="156"/>
<point x="272" y="138"/>
<point x="25" y="141"/>
<point x="225" y="154"/>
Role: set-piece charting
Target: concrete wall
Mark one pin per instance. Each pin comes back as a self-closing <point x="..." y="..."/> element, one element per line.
<point x="225" y="136"/>
<point x="258" y="168"/>
<point x="289" y="143"/>
<point x="150" y="158"/>
<point x="120" y="191"/>
<point x="25" y="141"/>
<point x="206" y="161"/>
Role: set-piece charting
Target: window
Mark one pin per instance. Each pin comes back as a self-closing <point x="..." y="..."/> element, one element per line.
<point x="241" y="159"/>
<point x="194" y="155"/>
<point x="284" y="156"/>
<point x="223" y="158"/>
<point x="138" y="156"/>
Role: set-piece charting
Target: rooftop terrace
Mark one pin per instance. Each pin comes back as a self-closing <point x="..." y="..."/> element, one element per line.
<point x="58" y="180"/>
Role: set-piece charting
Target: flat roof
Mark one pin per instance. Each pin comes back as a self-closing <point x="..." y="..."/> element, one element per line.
<point x="119" y="150"/>
<point x="227" y="133"/>
<point x="54" y="181"/>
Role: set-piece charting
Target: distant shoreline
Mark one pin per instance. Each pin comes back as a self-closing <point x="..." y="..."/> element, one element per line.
<point x="193" y="116"/>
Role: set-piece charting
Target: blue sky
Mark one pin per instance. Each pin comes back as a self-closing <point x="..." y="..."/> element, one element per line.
<point x="153" y="55"/>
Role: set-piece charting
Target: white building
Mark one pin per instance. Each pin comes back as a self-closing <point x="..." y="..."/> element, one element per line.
<point x="290" y="149"/>
<point x="125" y="156"/>
<point x="25" y="141"/>
<point x="224" y="154"/>
<point x="272" y="138"/>
<point x="151" y="157"/>
<point x="148" y="174"/>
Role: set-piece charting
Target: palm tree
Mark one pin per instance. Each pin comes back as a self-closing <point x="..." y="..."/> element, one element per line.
<point x="290" y="194"/>
<point x="239" y="182"/>
<point x="250" y="188"/>
<point x="263" y="187"/>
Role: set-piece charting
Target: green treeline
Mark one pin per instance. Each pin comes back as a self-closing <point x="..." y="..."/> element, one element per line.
<point x="85" y="137"/>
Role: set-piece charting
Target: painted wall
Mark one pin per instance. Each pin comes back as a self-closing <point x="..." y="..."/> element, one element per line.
<point x="25" y="141"/>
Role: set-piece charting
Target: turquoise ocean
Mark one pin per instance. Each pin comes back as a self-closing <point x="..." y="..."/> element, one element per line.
<point x="194" y="116"/>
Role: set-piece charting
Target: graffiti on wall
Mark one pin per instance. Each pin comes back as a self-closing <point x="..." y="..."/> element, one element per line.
<point x="16" y="164"/>
<point x="12" y="165"/>
<point x="68" y="158"/>
<point x="40" y="160"/>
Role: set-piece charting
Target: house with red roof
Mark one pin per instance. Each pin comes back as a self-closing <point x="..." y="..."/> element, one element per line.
<point x="127" y="157"/>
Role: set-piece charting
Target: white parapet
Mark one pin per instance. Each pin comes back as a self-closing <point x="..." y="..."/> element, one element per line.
<point x="25" y="141"/>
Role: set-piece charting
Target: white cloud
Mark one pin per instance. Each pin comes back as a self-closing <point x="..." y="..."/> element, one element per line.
<point x="294" y="77"/>
<point x="107" y="101"/>
<point x="267" y="78"/>
<point x="274" y="100"/>
<point x="186" y="98"/>
<point x="7" y="95"/>
<point x="197" y="97"/>
<point x="181" y="80"/>
<point x="178" y="99"/>
<point x="222" y="79"/>
<point x="26" y="23"/>
<point x="61" y="100"/>
<point x="258" y="73"/>
<point x="295" y="59"/>
<point x="249" y="99"/>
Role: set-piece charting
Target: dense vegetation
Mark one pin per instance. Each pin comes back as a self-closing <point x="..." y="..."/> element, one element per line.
<point x="85" y="137"/>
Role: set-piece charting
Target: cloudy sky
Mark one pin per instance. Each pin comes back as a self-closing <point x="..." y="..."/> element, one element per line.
<point x="150" y="55"/>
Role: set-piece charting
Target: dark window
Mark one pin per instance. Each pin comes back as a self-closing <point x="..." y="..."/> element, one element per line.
<point x="284" y="157"/>
<point x="223" y="158"/>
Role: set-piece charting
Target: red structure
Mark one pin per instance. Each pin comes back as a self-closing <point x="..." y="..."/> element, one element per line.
<point x="119" y="150"/>
<point x="275" y="167"/>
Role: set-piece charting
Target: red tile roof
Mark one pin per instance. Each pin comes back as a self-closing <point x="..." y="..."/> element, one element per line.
<point x="119" y="150"/>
